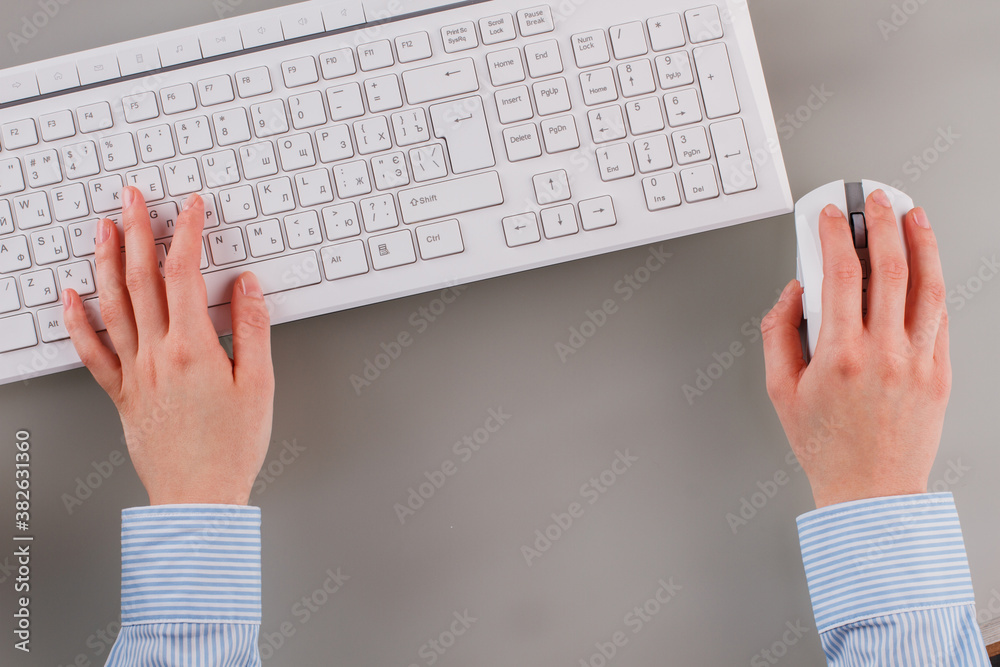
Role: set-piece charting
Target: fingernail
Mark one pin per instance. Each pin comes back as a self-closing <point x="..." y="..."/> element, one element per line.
<point x="920" y="217"/>
<point x="250" y="287"/>
<point x="189" y="202"/>
<point x="103" y="230"/>
<point x="127" y="197"/>
<point x="881" y="198"/>
<point x="832" y="211"/>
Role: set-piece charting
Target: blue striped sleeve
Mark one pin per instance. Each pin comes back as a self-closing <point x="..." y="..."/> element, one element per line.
<point x="890" y="583"/>
<point x="190" y="586"/>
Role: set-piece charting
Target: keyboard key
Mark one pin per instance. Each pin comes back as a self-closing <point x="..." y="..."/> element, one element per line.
<point x="276" y="196"/>
<point x="644" y="115"/>
<point x="597" y="213"/>
<point x="628" y="40"/>
<point x="699" y="183"/>
<point x="14" y="87"/>
<point x="599" y="86"/>
<point x="296" y="152"/>
<point x="543" y="58"/>
<point x="716" y="77"/>
<point x="57" y="125"/>
<point x="19" y="134"/>
<point x="428" y="162"/>
<point x="375" y="55"/>
<point x="535" y="20"/>
<point x="505" y="67"/>
<point x="590" y="48"/>
<point x="221" y="169"/>
<point x="227" y="246"/>
<point x="274" y="275"/>
<point x="704" y="24"/>
<point x="341" y="221"/>
<point x="345" y="101"/>
<point x="260" y="32"/>
<point x="217" y="41"/>
<point x="97" y="68"/>
<point x="652" y="153"/>
<point x="43" y="168"/>
<point x="11" y="177"/>
<point x="334" y="143"/>
<point x="372" y="135"/>
<point x="661" y="191"/>
<point x="733" y="155"/>
<point x="521" y="230"/>
<point x="176" y="50"/>
<point x="17" y="332"/>
<point x="6" y="218"/>
<point x="78" y="276"/>
<point x="253" y="82"/>
<point x="9" y="301"/>
<point x="216" y="90"/>
<point x="410" y="127"/>
<point x="615" y="162"/>
<point x="448" y="198"/>
<point x="69" y="202"/>
<point x="682" y="107"/>
<point x="352" y="179"/>
<point x="177" y="99"/>
<point x="105" y="193"/>
<point x="336" y="64"/>
<point x="302" y="21"/>
<point x="560" y="134"/>
<point x="50" y="323"/>
<point x="38" y="287"/>
<point x="49" y="246"/>
<point x="32" y="210"/>
<point x="459" y="37"/>
<point x="299" y="72"/>
<point x="344" y="260"/>
<point x="182" y="177"/>
<point x="551" y="96"/>
<point x="379" y="213"/>
<point x="231" y="126"/>
<point x="522" y="142"/>
<point x="344" y="14"/>
<point x="383" y="93"/>
<point x="691" y="145"/>
<point x="462" y="124"/>
<point x="413" y="47"/>
<point x="269" y="118"/>
<point x="392" y="250"/>
<point x="606" y="123"/>
<point x="314" y="187"/>
<point x="496" y="29"/>
<point x="674" y="70"/>
<point x="307" y="110"/>
<point x="79" y="160"/>
<point x="238" y="204"/>
<point x="61" y="76"/>
<point x="513" y="104"/>
<point x="194" y="135"/>
<point x="440" y="239"/>
<point x="163" y="220"/>
<point x="94" y="117"/>
<point x="302" y="230"/>
<point x="14" y="254"/>
<point x="118" y="152"/>
<point x="148" y="182"/>
<point x="265" y="238"/>
<point x="636" y="78"/>
<point x="551" y="187"/>
<point x="559" y="221"/>
<point x="82" y="238"/>
<point x="665" y="32"/>
<point x="140" y="107"/>
<point x="390" y="171"/>
<point x="435" y="82"/>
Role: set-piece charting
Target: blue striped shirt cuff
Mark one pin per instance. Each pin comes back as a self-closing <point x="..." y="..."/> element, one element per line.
<point x="882" y="556"/>
<point x="191" y="563"/>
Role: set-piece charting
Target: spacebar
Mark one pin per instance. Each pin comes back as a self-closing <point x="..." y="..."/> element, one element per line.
<point x="450" y="197"/>
<point x="274" y="275"/>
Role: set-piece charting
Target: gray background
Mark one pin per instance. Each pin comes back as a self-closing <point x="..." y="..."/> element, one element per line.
<point x="332" y="506"/>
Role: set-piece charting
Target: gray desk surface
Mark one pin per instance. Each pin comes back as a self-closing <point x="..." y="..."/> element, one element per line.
<point x="331" y="506"/>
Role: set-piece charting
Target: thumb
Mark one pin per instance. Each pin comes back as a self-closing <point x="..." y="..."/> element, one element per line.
<point x="251" y="333"/>
<point x="782" y="346"/>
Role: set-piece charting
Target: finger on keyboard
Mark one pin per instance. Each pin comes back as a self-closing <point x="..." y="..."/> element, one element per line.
<point x="187" y="302"/>
<point x="142" y="273"/>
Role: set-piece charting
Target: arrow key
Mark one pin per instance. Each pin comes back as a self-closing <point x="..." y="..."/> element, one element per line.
<point x="559" y="221"/>
<point x="682" y="107"/>
<point x="521" y="230"/>
<point x="597" y="213"/>
<point x="551" y="187"/>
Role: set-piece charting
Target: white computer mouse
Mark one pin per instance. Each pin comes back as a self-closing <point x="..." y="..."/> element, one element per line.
<point x="850" y="197"/>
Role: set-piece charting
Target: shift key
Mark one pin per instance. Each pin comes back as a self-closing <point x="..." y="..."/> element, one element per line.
<point x="448" y="198"/>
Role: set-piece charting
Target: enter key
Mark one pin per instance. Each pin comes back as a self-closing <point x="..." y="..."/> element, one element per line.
<point x="462" y="124"/>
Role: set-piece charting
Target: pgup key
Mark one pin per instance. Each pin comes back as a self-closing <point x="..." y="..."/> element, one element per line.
<point x="462" y="124"/>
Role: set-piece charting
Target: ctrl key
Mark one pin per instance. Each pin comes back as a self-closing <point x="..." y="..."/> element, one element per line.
<point x="17" y="332"/>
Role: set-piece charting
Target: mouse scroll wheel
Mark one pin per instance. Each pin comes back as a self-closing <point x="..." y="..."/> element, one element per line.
<point x="859" y="230"/>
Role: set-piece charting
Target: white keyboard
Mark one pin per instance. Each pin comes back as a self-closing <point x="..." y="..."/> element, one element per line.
<point x="349" y="154"/>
